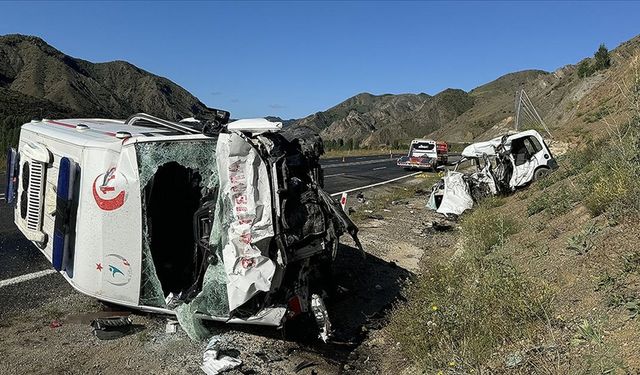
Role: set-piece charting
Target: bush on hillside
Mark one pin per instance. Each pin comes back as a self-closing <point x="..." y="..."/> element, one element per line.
<point x="601" y="57"/>
<point x="585" y="69"/>
<point x="458" y="311"/>
<point x="601" y="61"/>
<point x="615" y="186"/>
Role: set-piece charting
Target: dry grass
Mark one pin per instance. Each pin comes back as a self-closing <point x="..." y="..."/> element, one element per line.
<point x="377" y="203"/>
<point x="458" y="311"/>
<point x="492" y="304"/>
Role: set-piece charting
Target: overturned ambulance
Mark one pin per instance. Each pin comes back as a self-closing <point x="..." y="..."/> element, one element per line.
<point x="202" y="219"/>
<point x="501" y="165"/>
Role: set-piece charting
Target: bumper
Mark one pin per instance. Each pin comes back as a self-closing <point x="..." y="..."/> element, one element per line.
<point x="416" y="163"/>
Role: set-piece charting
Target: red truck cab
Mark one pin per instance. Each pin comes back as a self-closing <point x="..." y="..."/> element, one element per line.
<point x="442" y="149"/>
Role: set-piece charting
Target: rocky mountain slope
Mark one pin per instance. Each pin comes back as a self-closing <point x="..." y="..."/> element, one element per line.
<point x="45" y="77"/>
<point x="569" y="105"/>
<point x="38" y="81"/>
<point x="372" y="120"/>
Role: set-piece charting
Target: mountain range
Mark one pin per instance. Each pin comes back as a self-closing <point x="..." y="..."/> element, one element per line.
<point x="572" y="107"/>
<point x="38" y="81"/>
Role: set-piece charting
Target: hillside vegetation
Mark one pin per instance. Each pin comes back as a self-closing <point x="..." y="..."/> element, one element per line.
<point x="546" y="281"/>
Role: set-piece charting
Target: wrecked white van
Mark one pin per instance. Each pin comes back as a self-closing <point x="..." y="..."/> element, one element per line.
<point x="501" y="165"/>
<point x="222" y="222"/>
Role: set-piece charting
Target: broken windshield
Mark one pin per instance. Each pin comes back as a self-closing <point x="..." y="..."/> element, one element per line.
<point x="175" y="178"/>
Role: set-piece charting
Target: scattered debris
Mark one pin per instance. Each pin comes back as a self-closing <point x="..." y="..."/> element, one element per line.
<point x="375" y="216"/>
<point x="172" y="326"/>
<point x="442" y="225"/>
<point x="513" y="359"/>
<point x="215" y="362"/>
<point x="633" y="308"/>
<point x="341" y="290"/>
<point x="322" y="316"/>
<point x="398" y="202"/>
<point x="55" y="324"/>
<point x="421" y="191"/>
<point x="360" y="197"/>
<point x="87" y="318"/>
<point x="269" y="357"/>
<point x="114" y="327"/>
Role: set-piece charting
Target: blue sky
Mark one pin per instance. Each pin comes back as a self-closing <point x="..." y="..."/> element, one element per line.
<point x="294" y="58"/>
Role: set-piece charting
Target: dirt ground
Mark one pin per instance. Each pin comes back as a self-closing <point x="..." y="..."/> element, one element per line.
<point x="57" y="336"/>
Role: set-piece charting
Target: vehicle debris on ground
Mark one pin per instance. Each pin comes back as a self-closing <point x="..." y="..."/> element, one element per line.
<point x="501" y="165"/>
<point x="114" y="327"/>
<point x="215" y="361"/>
<point x="203" y="219"/>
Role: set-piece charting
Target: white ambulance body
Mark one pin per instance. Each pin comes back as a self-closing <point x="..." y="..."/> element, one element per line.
<point x="89" y="193"/>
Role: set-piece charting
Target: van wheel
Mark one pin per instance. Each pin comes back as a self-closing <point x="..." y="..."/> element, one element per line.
<point x="540" y="173"/>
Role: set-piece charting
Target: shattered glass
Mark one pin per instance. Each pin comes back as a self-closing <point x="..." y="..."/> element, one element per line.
<point x="150" y="288"/>
<point x="197" y="155"/>
<point x="212" y="299"/>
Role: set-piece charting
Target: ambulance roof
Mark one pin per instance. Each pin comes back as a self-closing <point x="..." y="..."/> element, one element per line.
<point x="97" y="132"/>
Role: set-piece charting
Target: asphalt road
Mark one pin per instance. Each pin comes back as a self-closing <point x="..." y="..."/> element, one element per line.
<point x="20" y="257"/>
<point x="356" y="172"/>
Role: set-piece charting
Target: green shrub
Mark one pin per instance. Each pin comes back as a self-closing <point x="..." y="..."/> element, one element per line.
<point x="585" y="69"/>
<point x="615" y="185"/>
<point x="538" y="204"/>
<point x="458" y="312"/>
<point x="483" y="229"/>
<point x="601" y="61"/>
<point x="582" y="242"/>
<point x="556" y="202"/>
<point x="601" y="57"/>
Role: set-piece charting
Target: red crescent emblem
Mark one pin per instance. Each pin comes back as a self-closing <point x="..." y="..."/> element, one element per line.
<point x="107" y="204"/>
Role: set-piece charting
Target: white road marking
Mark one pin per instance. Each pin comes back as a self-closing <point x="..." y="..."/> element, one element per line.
<point x="375" y="169"/>
<point x="333" y="175"/>
<point x="27" y="277"/>
<point x="376" y="184"/>
<point x="337" y="165"/>
<point x="2" y="196"/>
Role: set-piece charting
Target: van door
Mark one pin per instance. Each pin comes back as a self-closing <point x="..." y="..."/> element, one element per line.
<point x="526" y="155"/>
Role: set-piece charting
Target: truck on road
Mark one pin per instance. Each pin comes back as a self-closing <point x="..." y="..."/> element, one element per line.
<point x="425" y="154"/>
